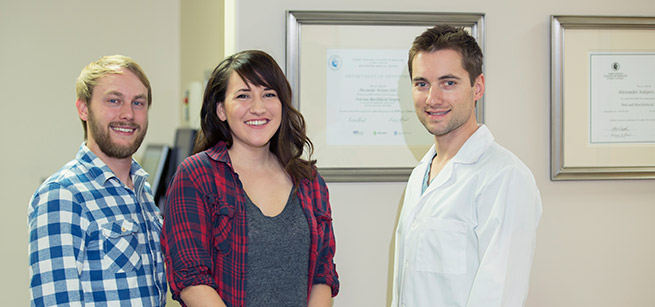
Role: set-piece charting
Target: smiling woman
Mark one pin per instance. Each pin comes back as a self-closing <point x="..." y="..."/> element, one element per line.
<point x="253" y="112"/>
<point x="247" y="193"/>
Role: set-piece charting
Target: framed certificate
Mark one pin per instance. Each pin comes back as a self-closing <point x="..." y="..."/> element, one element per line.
<point x="602" y="97"/>
<point x="348" y="72"/>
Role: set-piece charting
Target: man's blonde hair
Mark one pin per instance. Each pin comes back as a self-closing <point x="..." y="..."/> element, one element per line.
<point x="112" y="64"/>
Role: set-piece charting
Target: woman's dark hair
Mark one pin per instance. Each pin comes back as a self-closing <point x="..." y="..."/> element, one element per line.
<point x="260" y="69"/>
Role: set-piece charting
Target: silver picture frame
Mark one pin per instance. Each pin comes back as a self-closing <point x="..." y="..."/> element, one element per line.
<point x="573" y="155"/>
<point x="357" y="170"/>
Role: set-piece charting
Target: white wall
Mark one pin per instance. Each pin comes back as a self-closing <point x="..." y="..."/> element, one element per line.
<point x="201" y="45"/>
<point x="43" y="47"/>
<point x="596" y="241"/>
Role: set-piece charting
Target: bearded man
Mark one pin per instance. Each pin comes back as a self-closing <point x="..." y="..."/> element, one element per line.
<point x="93" y="226"/>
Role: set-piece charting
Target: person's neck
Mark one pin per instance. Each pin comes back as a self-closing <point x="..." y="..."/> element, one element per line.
<point x="448" y="145"/>
<point x="121" y="167"/>
<point x="244" y="157"/>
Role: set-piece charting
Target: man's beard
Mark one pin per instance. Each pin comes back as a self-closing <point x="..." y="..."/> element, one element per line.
<point x="107" y="146"/>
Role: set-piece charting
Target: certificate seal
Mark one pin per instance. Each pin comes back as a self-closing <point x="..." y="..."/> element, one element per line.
<point x="334" y="62"/>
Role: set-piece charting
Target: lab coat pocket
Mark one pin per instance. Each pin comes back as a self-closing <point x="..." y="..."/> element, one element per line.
<point x="441" y="247"/>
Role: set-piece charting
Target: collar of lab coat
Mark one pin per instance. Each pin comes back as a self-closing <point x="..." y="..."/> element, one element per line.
<point x="476" y="145"/>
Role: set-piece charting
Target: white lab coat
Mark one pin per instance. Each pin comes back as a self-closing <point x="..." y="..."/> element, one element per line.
<point x="469" y="239"/>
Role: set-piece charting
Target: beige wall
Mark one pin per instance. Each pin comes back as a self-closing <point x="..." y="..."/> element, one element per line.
<point x="596" y="241"/>
<point x="43" y="47"/>
<point x="201" y="40"/>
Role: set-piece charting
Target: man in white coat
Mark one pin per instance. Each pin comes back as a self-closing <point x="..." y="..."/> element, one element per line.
<point x="466" y="233"/>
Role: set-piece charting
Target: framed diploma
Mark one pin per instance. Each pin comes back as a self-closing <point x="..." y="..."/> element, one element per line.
<point x="602" y="97"/>
<point x="348" y="72"/>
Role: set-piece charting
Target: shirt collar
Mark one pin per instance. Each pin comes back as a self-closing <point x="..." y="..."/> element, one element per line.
<point x="219" y="153"/>
<point x="99" y="169"/>
<point x="472" y="149"/>
<point x="476" y="145"/>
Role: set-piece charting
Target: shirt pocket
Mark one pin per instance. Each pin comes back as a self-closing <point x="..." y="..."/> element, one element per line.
<point x="122" y="247"/>
<point x="441" y="247"/>
<point x="223" y="222"/>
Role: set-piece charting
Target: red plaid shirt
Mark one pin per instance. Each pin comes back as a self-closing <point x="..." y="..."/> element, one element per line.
<point x="205" y="233"/>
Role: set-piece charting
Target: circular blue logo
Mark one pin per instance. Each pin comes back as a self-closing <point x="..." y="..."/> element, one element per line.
<point x="334" y="62"/>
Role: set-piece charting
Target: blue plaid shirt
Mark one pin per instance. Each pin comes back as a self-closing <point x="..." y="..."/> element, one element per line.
<point x="93" y="241"/>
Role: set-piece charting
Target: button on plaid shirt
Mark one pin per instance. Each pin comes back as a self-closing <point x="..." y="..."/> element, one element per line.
<point x="93" y="241"/>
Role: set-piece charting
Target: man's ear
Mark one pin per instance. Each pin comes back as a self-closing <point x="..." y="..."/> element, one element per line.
<point x="478" y="87"/>
<point x="220" y="111"/>
<point x="82" y="109"/>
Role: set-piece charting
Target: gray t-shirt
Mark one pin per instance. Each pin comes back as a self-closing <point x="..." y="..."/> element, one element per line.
<point x="278" y="256"/>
